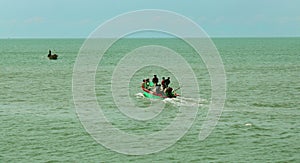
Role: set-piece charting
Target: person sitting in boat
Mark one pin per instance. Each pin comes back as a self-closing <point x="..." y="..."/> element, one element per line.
<point x="169" y="92"/>
<point x="149" y="85"/>
<point x="144" y="85"/>
<point x="158" y="89"/>
<point x="155" y="80"/>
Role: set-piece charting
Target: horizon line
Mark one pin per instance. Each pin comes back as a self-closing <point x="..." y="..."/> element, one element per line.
<point x="4" y="38"/>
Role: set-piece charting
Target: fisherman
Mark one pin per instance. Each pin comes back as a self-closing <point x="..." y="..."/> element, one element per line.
<point x="155" y="80"/>
<point x="144" y="83"/>
<point x="49" y="53"/>
<point x="163" y="83"/>
<point x="167" y="82"/>
<point x="169" y="92"/>
<point x="147" y="84"/>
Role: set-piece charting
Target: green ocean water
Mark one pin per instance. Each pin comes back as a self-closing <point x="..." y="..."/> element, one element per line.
<point x="259" y="123"/>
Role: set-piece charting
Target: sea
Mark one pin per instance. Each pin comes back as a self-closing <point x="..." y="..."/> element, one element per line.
<point x="260" y="120"/>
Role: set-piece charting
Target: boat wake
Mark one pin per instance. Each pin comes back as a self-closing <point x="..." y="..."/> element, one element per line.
<point x="139" y="95"/>
<point x="183" y="101"/>
<point x="180" y="101"/>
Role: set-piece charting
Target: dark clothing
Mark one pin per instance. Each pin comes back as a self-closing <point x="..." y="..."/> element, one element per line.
<point x="147" y="84"/>
<point x="163" y="84"/>
<point x="144" y="85"/>
<point x="169" y="92"/>
<point x="49" y="53"/>
<point x="155" y="80"/>
<point x="167" y="82"/>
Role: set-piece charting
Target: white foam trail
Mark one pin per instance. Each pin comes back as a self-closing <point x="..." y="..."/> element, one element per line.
<point x="139" y="95"/>
<point x="179" y="101"/>
<point x="182" y="101"/>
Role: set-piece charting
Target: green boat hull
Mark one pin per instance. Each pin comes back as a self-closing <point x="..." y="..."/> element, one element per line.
<point x="149" y="95"/>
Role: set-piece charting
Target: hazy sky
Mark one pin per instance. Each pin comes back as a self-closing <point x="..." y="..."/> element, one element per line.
<point x="78" y="18"/>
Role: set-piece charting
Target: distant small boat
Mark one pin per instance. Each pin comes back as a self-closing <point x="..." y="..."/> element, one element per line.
<point x="159" y="94"/>
<point x="53" y="57"/>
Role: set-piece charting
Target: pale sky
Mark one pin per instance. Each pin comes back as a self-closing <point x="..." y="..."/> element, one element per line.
<point x="219" y="18"/>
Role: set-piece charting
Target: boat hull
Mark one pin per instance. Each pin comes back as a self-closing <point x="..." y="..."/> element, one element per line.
<point x="150" y="94"/>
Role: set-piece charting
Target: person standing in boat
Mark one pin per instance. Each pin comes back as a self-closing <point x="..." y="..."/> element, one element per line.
<point x="49" y="53"/>
<point x="163" y="83"/>
<point x="167" y="82"/>
<point x="155" y="80"/>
